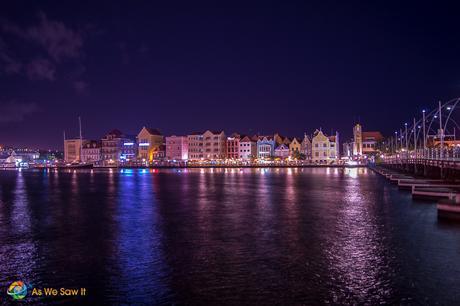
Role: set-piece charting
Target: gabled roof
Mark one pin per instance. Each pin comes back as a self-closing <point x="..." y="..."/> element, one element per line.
<point x="247" y="139"/>
<point x="115" y="132"/>
<point x="282" y="147"/>
<point x="196" y="133"/>
<point x="153" y="131"/>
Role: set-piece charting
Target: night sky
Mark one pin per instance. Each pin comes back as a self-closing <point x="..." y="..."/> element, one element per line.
<point x="182" y="67"/>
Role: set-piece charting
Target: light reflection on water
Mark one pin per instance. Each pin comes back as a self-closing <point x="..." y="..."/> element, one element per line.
<point x="232" y="236"/>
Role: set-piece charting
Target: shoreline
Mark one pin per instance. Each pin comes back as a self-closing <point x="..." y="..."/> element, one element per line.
<point x="193" y="167"/>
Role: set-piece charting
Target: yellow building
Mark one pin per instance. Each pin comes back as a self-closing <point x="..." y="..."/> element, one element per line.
<point x="324" y="148"/>
<point x="150" y="142"/>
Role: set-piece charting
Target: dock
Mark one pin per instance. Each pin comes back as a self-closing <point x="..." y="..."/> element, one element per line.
<point x="446" y="193"/>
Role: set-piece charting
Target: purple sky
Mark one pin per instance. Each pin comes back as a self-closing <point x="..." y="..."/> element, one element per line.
<point x="287" y="67"/>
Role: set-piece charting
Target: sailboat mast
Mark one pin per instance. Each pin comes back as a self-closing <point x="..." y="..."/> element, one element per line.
<point x="81" y="139"/>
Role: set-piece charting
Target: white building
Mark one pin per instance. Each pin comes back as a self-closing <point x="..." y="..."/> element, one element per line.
<point x="247" y="148"/>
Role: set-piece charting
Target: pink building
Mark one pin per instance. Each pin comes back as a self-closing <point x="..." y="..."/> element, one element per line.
<point x="233" y="146"/>
<point x="176" y="148"/>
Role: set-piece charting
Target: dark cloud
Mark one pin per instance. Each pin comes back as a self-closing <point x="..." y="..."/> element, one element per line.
<point x="41" y="69"/>
<point x="8" y="64"/>
<point x="59" y="41"/>
<point x="11" y="112"/>
<point x="81" y="87"/>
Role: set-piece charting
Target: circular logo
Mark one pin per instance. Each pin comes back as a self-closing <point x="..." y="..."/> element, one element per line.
<point x="17" y="290"/>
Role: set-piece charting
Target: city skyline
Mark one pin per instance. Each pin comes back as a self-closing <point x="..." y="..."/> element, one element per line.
<point x="263" y="68"/>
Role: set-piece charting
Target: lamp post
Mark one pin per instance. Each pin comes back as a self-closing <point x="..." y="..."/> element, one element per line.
<point x="424" y="137"/>
<point x="441" y="131"/>
<point x="407" y="146"/>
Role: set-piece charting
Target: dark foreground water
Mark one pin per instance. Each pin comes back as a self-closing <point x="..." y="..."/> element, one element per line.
<point x="235" y="236"/>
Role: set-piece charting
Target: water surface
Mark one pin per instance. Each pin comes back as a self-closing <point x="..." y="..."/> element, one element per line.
<point x="225" y="236"/>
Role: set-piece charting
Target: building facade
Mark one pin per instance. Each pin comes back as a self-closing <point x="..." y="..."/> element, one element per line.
<point x="295" y="148"/>
<point x="306" y="146"/>
<point x="111" y="147"/>
<point x="357" y="140"/>
<point x="324" y="148"/>
<point x="150" y="142"/>
<point x="176" y="147"/>
<point x="91" y="152"/>
<point x="282" y="151"/>
<point x="72" y="150"/>
<point x="129" y="149"/>
<point x="371" y="142"/>
<point x="195" y="146"/>
<point x="247" y="148"/>
<point x="265" y="147"/>
<point x="214" y="145"/>
<point x="233" y="146"/>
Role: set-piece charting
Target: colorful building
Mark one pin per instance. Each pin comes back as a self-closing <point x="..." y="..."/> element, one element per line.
<point x="324" y="148"/>
<point x="176" y="148"/>
<point x="248" y="148"/>
<point x="91" y="152"/>
<point x="150" y="144"/>
<point x="233" y="146"/>
<point x="306" y="147"/>
<point x="265" y="147"/>
<point x="129" y="149"/>
<point x="195" y="146"/>
<point x="295" y="148"/>
<point x="282" y="151"/>
<point x="214" y="145"/>
<point x="111" y="147"/>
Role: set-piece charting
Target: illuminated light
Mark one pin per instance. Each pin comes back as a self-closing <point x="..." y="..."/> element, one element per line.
<point x="129" y="143"/>
<point x="144" y="144"/>
<point x="436" y="116"/>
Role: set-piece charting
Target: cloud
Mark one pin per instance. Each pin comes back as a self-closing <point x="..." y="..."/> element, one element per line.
<point x="59" y="41"/>
<point x="8" y="64"/>
<point x="41" y="69"/>
<point x="81" y="87"/>
<point x="52" y="40"/>
<point x="11" y="112"/>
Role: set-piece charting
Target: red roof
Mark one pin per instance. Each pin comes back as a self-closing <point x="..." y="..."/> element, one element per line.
<point x="374" y="135"/>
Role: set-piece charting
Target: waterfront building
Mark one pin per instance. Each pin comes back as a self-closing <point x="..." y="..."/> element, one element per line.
<point x="150" y="142"/>
<point x="159" y="154"/>
<point x="295" y="148"/>
<point x="72" y="149"/>
<point x="357" y="140"/>
<point x="129" y="149"/>
<point x="233" y="146"/>
<point x="195" y="146"/>
<point x="371" y="142"/>
<point x="176" y="148"/>
<point x="306" y="147"/>
<point x="265" y="147"/>
<point x="324" y="148"/>
<point x="248" y="148"/>
<point x="111" y="147"/>
<point x="91" y="152"/>
<point x="282" y="151"/>
<point x="279" y="139"/>
<point x="214" y="145"/>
